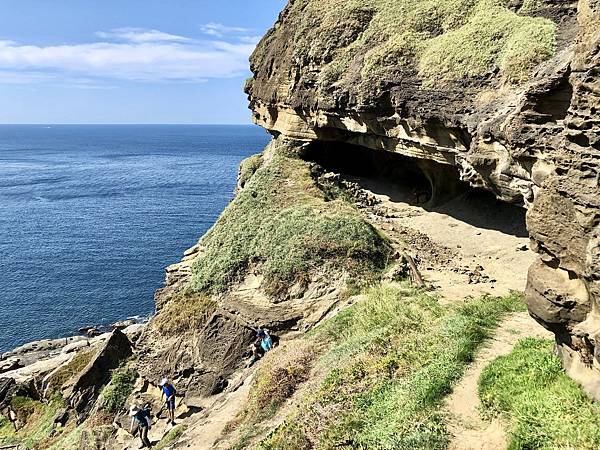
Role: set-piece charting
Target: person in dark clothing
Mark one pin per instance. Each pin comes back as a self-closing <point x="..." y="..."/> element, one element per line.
<point x="140" y="420"/>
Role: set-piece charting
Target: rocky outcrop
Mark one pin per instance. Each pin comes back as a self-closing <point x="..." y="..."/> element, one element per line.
<point x="564" y="221"/>
<point x="96" y="374"/>
<point x="533" y="141"/>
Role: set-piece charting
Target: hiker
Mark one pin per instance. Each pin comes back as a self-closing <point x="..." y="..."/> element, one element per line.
<point x="140" y="421"/>
<point x="261" y="345"/>
<point x="266" y="342"/>
<point x="169" y="391"/>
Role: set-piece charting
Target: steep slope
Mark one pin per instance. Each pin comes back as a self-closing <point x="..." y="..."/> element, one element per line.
<point x="506" y="92"/>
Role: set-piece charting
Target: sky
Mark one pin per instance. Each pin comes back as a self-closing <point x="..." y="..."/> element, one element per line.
<point x="128" y="61"/>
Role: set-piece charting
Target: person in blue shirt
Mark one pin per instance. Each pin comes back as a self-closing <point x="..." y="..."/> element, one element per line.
<point x="168" y="391"/>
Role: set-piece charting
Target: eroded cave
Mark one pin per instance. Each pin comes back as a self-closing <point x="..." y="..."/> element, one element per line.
<point x="425" y="183"/>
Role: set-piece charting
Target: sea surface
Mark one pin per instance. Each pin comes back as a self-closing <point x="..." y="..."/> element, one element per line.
<point x="91" y="215"/>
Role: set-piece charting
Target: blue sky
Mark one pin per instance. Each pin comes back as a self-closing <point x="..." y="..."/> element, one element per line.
<point x="128" y="61"/>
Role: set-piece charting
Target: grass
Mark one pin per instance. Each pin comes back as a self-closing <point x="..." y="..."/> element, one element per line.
<point x="248" y="167"/>
<point x="282" y="224"/>
<point x="493" y="38"/>
<point x="389" y="361"/>
<point x="281" y="372"/>
<point x="442" y="40"/>
<point x="38" y="419"/>
<point x="188" y="311"/>
<point x="171" y="436"/>
<point x="69" y="440"/>
<point x="543" y="407"/>
<point x="115" y="394"/>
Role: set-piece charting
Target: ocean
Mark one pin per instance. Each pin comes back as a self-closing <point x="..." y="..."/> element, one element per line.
<point x="90" y="215"/>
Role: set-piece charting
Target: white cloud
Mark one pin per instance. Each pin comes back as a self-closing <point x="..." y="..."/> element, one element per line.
<point x="140" y="35"/>
<point x="220" y="30"/>
<point x="140" y="55"/>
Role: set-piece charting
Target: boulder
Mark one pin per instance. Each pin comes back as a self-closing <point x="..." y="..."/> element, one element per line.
<point x="97" y="373"/>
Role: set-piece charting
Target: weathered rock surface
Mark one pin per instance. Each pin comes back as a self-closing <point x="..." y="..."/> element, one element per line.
<point x="564" y="221"/>
<point x="96" y="374"/>
<point x="535" y="143"/>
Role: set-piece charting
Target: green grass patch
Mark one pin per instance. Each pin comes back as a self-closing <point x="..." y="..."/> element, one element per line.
<point x="444" y="40"/>
<point x="37" y="419"/>
<point x="115" y="394"/>
<point x="389" y="361"/>
<point x="171" y="436"/>
<point x="248" y="167"/>
<point x="543" y="407"/>
<point x="281" y="224"/>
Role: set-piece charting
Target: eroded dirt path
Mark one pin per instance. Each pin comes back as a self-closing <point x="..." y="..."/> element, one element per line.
<point x="469" y="431"/>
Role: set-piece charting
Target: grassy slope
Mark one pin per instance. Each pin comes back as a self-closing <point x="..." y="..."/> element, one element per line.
<point x="388" y="360"/>
<point x="282" y="223"/>
<point x="443" y="39"/>
<point x="544" y="408"/>
<point x="39" y="419"/>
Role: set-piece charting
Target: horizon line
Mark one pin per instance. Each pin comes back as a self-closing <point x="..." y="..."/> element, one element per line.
<point x="129" y="124"/>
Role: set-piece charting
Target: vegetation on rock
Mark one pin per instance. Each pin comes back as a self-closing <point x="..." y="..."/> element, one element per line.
<point x="189" y="311"/>
<point x="68" y="371"/>
<point x="248" y="167"/>
<point x="543" y="407"/>
<point x="38" y="420"/>
<point x="281" y="223"/>
<point x="115" y="394"/>
<point x="443" y="40"/>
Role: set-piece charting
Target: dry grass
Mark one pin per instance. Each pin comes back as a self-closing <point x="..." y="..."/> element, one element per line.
<point x="281" y="372"/>
<point x="189" y="311"/>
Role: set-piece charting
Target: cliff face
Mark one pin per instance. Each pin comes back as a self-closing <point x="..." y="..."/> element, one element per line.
<point x="506" y="92"/>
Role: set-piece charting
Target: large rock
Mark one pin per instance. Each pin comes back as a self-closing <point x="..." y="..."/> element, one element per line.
<point x="97" y="373"/>
<point x="564" y="222"/>
<point x="536" y="142"/>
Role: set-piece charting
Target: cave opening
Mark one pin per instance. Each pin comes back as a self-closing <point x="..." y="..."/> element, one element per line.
<point x="428" y="184"/>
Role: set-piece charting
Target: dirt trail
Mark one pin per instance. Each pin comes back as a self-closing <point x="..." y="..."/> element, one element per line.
<point x="205" y="431"/>
<point x="466" y="247"/>
<point x="469" y="431"/>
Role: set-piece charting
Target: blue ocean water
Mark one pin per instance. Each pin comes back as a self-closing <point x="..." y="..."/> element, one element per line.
<point x="91" y="215"/>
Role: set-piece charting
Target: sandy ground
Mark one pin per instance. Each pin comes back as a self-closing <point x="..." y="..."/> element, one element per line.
<point x="469" y="431"/>
<point x="467" y="247"/>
